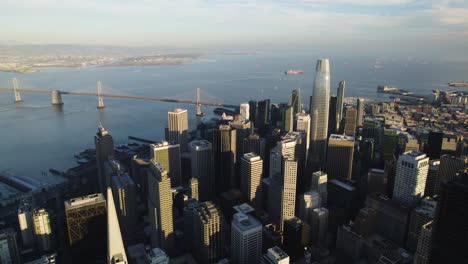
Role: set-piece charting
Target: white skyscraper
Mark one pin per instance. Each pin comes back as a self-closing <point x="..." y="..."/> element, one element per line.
<point x="251" y="178"/>
<point x="319" y="184"/>
<point x="246" y="239"/>
<point x="42" y="229"/>
<point x="177" y="127"/>
<point x="307" y="203"/>
<point x="410" y="178"/>
<point x="115" y="246"/>
<point x="244" y="111"/>
<point x="302" y="124"/>
<point x="319" y="112"/>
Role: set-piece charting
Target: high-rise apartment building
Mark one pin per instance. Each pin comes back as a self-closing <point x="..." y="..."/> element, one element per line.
<point x="419" y="216"/>
<point x="84" y="215"/>
<point x="42" y="229"/>
<point x="350" y="122"/>
<point x="104" y="149"/>
<point x="360" y="112"/>
<point x="9" y="252"/>
<point x="168" y="155"/>
<point x="246" y="239"/>
<point x="177" y="128"/>
<point x="201" y="160"/>
<point x="115" y="246"/>
<point x="224" y="151"/>
<point x="209" y="232"/>
<point x="251" y="178"/>
<point x="340" y="157"/>
<point x="410" y="178"/>
<point x="125" y="193"/>
<point x="160" y="207"/>
<point x="244" y="111"/>
<point x="319" y="184"/>
<point x="275" y="255"/>
<point x="319" y="112"/>
<point x="339" y="104"/>
<point x="296" y="101"/>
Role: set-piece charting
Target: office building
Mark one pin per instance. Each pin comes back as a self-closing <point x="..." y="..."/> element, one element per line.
<point x="349" y="243"/>
<point x="360" y="112"/>
<point x="319" y="184"/>
<point x="201" y="160"/>
<point x="390" y="141"/>
<point x="84" y="215"/>
<point x="286" y="117"/>
<point x="350" y="122"/>
<point x="194" y="192"/>
<point x="115" y="246"/>
<point x="340" y="157"/>
<point x="432" y="178"/>
<point x="451" y="221"/>
<point x="339" y="104"/>
<point x="319" y="112"/>
<point x="449" y="167"/>
<point x="209" y="233"/>
<point x="42" y="229"/>
<point x="419" y="216"/>
<point x="254" y="143"/>
<point x="365" y="222"/>
<point x="246" y="239"/>
<point x="252" y="111"/>
<point x="407" y="142"/>
<point x="251" y="178"/>
<point x="343" y="202"/>
<point x="302" y="124"/>
<point x="275" y="255"/>
<point x="158" y="256"/>
<point x="168" y="155"/>
<point x="434" y="146"/>
<point x="376" y="181"/>
<point x="177" y="128"/>
<point x="224" y="153"/>
<point x="9" y="252"/>
<point x="319" y="226"/>
<point x="332" y="124"/>
<point x="423" y="251"/>
<point x="245" y="111"/>
<point x="104" y="149"/>
<point x="410" y="178"/>
<point x="160" y="204"/>
<point x="282" y="193"/>
<point x="296" y="101"/>
<point x="308" y="201"/>
<point x="26" y="224"/>
<point x="263" y="115"/>
<point x="125" y="193"/>
<point x="296" y="236"/>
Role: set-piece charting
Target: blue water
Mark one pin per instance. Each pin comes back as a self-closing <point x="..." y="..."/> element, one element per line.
<point x="36" y="136"/>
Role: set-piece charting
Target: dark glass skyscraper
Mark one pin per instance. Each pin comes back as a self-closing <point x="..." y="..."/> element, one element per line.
<point x="296" y="102"/>
<point x="319" y="112"/>
<point x="339" y="103"/>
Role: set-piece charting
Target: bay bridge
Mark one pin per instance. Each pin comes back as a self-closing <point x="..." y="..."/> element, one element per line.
<point x="56" y="96"/>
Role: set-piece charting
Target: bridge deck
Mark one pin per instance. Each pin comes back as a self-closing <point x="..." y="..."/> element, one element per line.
<point x="167" y="100"/>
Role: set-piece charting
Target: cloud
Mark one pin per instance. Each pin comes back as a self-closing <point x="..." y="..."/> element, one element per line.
<point x="361" y="2"/>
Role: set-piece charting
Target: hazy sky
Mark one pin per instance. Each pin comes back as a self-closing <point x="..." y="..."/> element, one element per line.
<point x="426" y="26"/>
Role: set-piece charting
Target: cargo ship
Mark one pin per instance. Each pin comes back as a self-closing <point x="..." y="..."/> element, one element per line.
<point x="293" y="72"/>
<point x="458" y="84"/>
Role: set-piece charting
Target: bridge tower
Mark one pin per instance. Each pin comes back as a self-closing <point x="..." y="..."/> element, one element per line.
<point x="56" y="97"/>
<point x="199" y="112"/>
<point x="99" y="94"/>
<point x="15" y="90"/>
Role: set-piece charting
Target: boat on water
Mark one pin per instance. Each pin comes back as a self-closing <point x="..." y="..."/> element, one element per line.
<point x="293" y="72"/>
<point x="458" y="84"/>
<point x="200" y="114"/>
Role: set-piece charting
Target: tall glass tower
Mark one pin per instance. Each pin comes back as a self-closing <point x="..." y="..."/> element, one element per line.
<point x="319" y="113"/>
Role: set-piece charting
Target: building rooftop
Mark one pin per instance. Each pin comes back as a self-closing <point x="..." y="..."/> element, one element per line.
<point x="415" y="154"/>
<point x="178" y="111"/>
<point x="84" y="200"/>
<point x="200" y="144"/>
<point x="343" y="185"/>
<point x="277" y="253"/>
<point x="341" y="137"/>
<point x="251" y="157"/>
<point x="245" y="222"/>
<point x="243" y="208"/>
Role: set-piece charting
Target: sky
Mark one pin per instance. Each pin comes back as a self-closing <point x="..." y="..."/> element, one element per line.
<point x="354" y="26"/>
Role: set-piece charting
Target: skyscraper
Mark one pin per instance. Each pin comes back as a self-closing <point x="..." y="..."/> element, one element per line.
<point x="451" y="221"/>
<point x="350" y="122"/>
<point x="339" y="103"/>
<point x="115" y="246"/>
<point x="319" y="225"/>
<point x="9" y="252"/>
<point x="246" y="239"/>
<point x="168" y="155"/>
<point x="449" y="166"/>
<point x="423" y="251"/>
<point x="224" y="151"/>
<point x="360" y="112"/>
<point x="308" y="201"/>
<point x="432" y="178"/>
<point x="287" y="117"/>
<point x="340" y="157"/>
<point x="26" y="224"/>
<point x="319" y="112"/>
<point x="332" y="123"/>
<point x="296" y="101"/>
<point x="125" y="191"/>
<point x="410" y="178"/>
<point x="254" y="143"/>
<point x="194" y="190"/>
<point x="104" y="149"/>
<point x="251" y="178"/>
<point x="177" y="128"/>
<point x="390" y="140"/>
<point x="160" y="207"/>
<point x="253" y="112"/>
<point x="209" y="233"/>
<point x="419" y="216"/>
<point x="201" y="160"/>
<point x="302" y="124"/>
<point x="42" y="229"/>
<point x="244" y="111"/>
<point x="263" y="115"/>
<point x="319" y="184"/>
